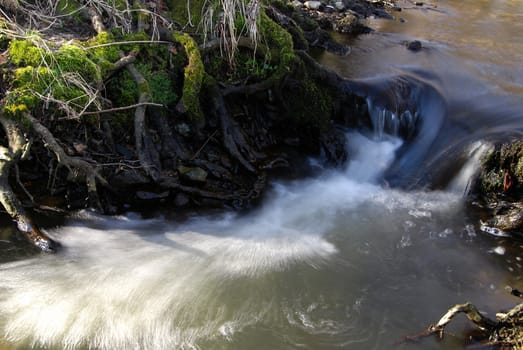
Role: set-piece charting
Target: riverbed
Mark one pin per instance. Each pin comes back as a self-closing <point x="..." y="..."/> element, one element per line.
<point x="355" y="258"/>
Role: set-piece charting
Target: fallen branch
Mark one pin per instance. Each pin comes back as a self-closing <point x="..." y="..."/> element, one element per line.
<point x="472" y="314"/>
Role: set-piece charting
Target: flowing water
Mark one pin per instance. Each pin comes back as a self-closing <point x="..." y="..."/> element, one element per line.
<point x="356" y="258"/>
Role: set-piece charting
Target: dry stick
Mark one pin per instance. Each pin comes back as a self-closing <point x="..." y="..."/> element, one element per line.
<point x="204" y="144"/>
<point x="117" y="109"/>
<point x="17" y="174"/>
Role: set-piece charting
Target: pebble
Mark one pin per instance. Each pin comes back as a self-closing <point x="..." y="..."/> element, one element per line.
<point x="414" y="45"/>
<point x="313" y="5"/>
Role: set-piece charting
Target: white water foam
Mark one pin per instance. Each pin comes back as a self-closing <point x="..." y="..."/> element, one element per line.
<point x="461" y="183"/>
<point x="129" y="283"/>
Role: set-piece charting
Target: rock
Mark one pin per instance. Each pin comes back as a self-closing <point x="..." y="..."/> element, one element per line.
<point x="419" y="3"/>
<point x="329" y="9"/>
<point x="181" y="200"/>
<point x="297" y="4"/>
<point x="380" y="13"/>
<point x="183" y="129"/>
<point x="313" y="5"/>
<point x="414" y="45"/>
<point x="333" y="143"/>
<point x="147" y="196"/>
<point x="339" y="6"/>
<point x="128" y="178"/>
<point x="508" y="217"/>
<point x="499" y="186"/>
<point x="80" y="147"/>
<point x="125" y="152"/>
<point x="321" y="38"/>
<point x="194" y="174"/>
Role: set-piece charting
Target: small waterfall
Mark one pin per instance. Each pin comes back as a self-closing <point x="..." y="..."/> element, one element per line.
<point x="399" y="124"/>
<point x="461" y="183"/>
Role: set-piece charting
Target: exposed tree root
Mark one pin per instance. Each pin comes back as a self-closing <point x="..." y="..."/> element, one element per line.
<point x="76" y="166"/>
<point x="472" y="314"/>
<point x="145" y="148"/>
<point x="506" y="331"/>
<point x="233" y="139"/>
<point x="17" y="150"/>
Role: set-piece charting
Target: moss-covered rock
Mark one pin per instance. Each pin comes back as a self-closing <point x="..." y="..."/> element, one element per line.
<point x="502" y="168"/>
<point x="500" y="186"/>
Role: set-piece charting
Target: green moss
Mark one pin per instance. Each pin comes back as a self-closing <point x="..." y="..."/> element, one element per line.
<point x="73" y="59"/>
<point x="193" y="77"/>
<point x="310" y="104"/>
<point x="246" y="67"/>
<point x="508" y="156"/>
<point x="25" y="53"/>
<point x="102" y="54"/>
<point x="183" y="15"/>
<point x="278" y="41"/>
<point x="60" y="75"/>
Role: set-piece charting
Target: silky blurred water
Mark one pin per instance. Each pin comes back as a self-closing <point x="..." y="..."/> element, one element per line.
<point x="340" y="261"/>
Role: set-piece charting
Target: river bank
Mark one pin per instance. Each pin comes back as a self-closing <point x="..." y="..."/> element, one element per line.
<point x="336" y="259"/>
<point x="191" y="129"/>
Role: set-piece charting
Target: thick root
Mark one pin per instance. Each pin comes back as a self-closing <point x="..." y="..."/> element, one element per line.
<point x="17" y="150"/>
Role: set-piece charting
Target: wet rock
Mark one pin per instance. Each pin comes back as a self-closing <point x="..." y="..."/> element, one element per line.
<point x="339" y="6"/>
<point x="181" y="200"/>
<point x="333" y="143"/>
<point x="321" y="38"/>
<point x="193" y="174"/>
<point x="414" y="45"/>
<point x="499" y="186"/>
<point x="215" y="169"/>
<point x="329" y="9"/>
<point x="125" y="151"/>
<point x="297" y="4"/>
<point x="380" y="13"/>
<point x="313" y="5"/>
<point x="183" y="129"/>
<point x="512" y="220"/>
<point x="129" y="179"/>
<point x="150" y="196"/>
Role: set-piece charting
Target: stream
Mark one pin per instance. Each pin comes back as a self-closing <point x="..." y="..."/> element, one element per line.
<point x="355" y="258"/>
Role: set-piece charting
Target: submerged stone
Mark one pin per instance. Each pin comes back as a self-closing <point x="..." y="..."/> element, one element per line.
<point x="414" y="45"/>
